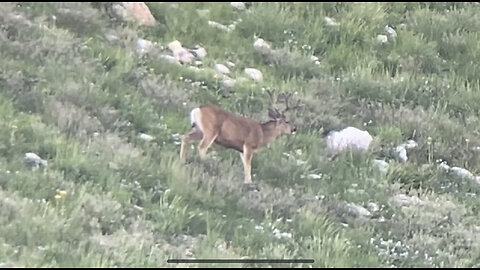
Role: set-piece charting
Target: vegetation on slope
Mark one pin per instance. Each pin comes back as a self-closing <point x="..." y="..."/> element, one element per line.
<point x="74" y="91"/>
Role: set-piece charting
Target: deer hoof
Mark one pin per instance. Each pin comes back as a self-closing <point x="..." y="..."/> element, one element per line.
<point x="250" y="187"/>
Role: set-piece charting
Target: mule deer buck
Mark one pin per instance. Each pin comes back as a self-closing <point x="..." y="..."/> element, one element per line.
<point x="211" y="124"/>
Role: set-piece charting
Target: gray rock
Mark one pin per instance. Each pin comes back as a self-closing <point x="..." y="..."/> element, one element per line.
<point x="381" y="165"/>
<point x="461" y="172"/>
<point x="373" y="207"/>
<point x="221" y="69"/>
<point x="349" y="138"/>
<point x="357" y="210"/>
<point x="405" y="200"/>
<point x="34" y="160"/>
<point x="254" y="74"/>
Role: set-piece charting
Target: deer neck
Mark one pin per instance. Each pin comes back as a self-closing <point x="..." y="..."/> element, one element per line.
<point x="269" y="132"/>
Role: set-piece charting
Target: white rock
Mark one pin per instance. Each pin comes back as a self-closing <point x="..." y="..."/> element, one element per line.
<point x="348" y="138"/>
<point x="405" y="200"/>
<point x="314" y="176"/>
<point x="280" y="234"/>
<point x="401" y="153"/>
<point x="146" y="137"/>
<point x="411" y="144"/>
<point x="443" y="165"/>
<point x="199" y="51"/>
<point x="175" y="45"/>
<point x="35" y="160"/>
<point x="381" y="165"/>
<point x="331" y="22"/>
<point x="181" y="54"/>
<point x="477" y="179"/>
<point x="170" y="58"/>
<point x="390" y="31"/>
<point x="134" y="11"/>
<point x="111" y="37"/>
<point x="238" y="5"/>
<point x="262" y="46"/>
<point x="143" y="46"/>
<point x="357" y="210"/>
<point x="461" y="172"/>
<point x="382" y="38"/>
<point x="230" y="64"/>
<point x="204" y="13"/>
<point x="113" y="165"/>
<point x="220" y="26"/>
<point x="222" y="69"/>
<point x="228" y="82"/>
<point x="254" y="74"/>
<point x="373" y="207"/>
<point x="195" y="68"/>
<point x="300" y="162"/>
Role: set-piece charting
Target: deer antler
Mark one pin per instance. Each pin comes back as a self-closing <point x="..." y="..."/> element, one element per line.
<point x="272" y="111"/>
<point x="286" y="98"/>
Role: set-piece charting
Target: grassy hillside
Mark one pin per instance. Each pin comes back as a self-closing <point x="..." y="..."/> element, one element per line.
<point x="74" y="90"/>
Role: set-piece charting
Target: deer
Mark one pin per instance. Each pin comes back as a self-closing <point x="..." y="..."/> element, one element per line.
<point x="214" y="125"/>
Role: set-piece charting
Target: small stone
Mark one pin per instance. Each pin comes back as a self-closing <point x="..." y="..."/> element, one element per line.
<point x="199" y="52"/>
<point x="262" y="46"/>
<point x="405" y="200"/>
<point x="401" y="153"/>
<point x="390" y="31"/>
<point x="134" y="11"/>
<point x="382" y="38"/>
<point x="170" y="58"/>
<point x="34" y="160"/>
<point x="314" y="176"/>
<point x="381" y="165"/>
<point x="254" y="74"/>
<point x="221" y="69"/>
<point x="357" y="210"/>
<point x="143" y="46"/>
<point x="461" y="172"/>
<point x="331" y="22"/>
<point x="238" y="5"/>
<point x="411" y="144"/>
<point x="219" y="26"/>
<point x="228" y="82"/>
<point x="145" y="137"/>
<point x="373" y="207"/>
<point x="113" y="165"/>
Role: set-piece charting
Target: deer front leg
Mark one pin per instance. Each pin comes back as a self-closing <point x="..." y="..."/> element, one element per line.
<point x="193" y="135"/>
<point x="247" y="164"/>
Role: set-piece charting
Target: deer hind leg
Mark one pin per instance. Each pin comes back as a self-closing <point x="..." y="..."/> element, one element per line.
<point x="194" y="135"/>
<point x="205" y="143"/>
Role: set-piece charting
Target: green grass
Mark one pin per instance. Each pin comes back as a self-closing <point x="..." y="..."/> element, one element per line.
<point x="80" y="101"/>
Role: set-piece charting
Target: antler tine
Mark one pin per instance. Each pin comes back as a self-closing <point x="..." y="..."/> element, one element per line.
<point x="272" y="99"/>
<point x="297" y="105"/>
<point x="272" y="111"/>
<point x="286" y="99"/>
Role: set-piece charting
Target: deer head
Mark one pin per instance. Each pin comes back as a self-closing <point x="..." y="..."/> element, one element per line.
<point x="279" y="116"/>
